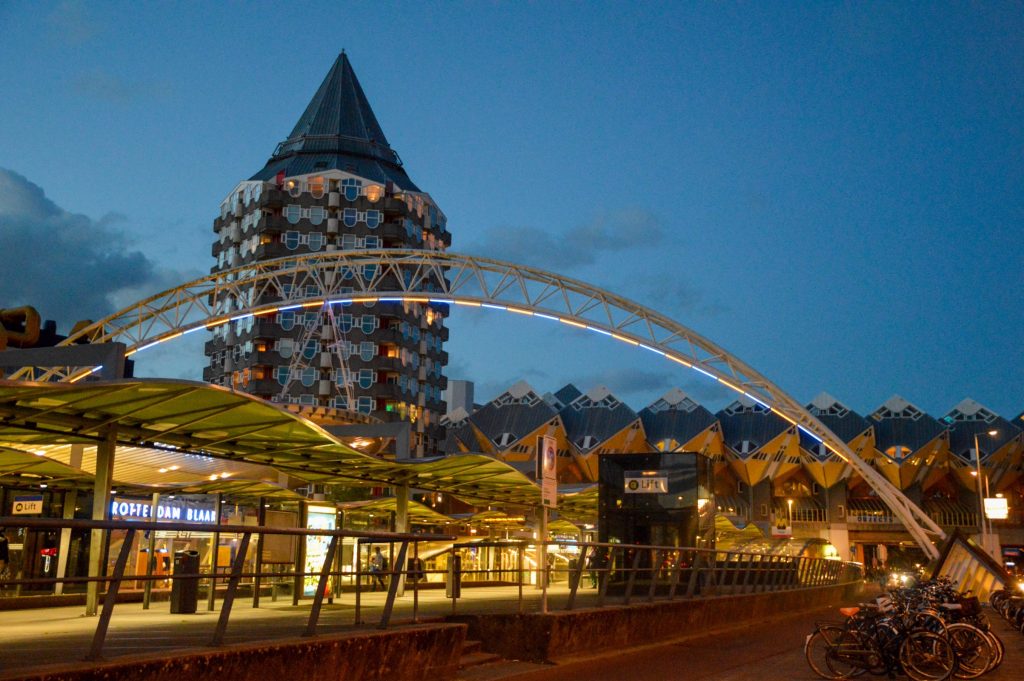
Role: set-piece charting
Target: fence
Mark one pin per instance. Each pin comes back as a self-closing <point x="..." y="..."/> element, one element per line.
<point x="565" y="575"/>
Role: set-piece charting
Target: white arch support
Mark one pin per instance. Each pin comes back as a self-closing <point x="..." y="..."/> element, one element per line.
<point x="453" y="279"/>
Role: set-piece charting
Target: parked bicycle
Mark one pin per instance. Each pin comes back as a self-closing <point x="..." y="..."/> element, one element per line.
<point x="929" y="632"/>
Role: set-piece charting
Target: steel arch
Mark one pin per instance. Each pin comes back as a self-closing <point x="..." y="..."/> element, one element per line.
<point x="453" y="278"/>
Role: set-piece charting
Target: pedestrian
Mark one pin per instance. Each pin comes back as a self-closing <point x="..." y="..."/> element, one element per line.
<point x="594" y="564"/>
<point x="415" y="570"/>
<point x="378" y="565"/>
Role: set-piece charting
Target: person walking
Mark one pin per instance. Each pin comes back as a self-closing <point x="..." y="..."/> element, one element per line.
<point x="378" y="565"/>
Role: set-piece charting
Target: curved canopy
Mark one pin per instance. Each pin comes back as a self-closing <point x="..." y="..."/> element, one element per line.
<point x="419" y="514"/>
<point x="207" y="420"/>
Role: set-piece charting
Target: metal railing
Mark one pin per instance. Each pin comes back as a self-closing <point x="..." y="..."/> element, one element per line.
<point x="117" y="577"/>
<point x="619" y="573"/>
<point x="573" y="574"/>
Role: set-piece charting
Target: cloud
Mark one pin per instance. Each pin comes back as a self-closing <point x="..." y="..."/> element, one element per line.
<point x="71" y="23"/>
<point x="624" y="381"/>
<point x="618" y="231"/>
<point x="67" y="266"/>
<point x="106" y="87"/>
<point x="631" y="385"/>
<point x="672" y="293"/>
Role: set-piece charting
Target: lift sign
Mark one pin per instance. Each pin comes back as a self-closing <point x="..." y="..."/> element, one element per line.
<point x="647" y="485"/>
<point x="27" y="505"/>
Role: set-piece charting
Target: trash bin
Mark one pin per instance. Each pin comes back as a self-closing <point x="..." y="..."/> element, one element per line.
<point x="185" y="590"/>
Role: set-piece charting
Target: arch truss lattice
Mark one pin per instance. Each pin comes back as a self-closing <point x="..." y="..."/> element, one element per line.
<point x="447" y="278"/>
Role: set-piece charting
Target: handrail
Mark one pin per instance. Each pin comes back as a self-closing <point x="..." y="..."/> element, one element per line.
<point x="618" y="573"/>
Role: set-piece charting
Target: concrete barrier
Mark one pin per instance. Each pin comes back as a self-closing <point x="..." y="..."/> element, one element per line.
<point x="541" y="638"/>
<point x="421" y="653"/>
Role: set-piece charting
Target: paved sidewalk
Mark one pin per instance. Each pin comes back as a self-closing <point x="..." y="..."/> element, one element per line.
<point x="45" y="636"/>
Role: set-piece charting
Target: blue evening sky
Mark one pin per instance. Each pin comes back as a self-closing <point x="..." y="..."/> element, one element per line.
<point x="832" y="191"/>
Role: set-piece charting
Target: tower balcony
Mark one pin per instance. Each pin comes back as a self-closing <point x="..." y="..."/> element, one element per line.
<point x="272" y="198"/>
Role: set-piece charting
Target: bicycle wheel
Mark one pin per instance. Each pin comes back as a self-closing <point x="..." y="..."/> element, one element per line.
<point x="973" y="649"/>
<point x="925" y="656"/>
<point x="850" y="655"/>
<point x="819" y="645"/>
<point x="998" y="647"/>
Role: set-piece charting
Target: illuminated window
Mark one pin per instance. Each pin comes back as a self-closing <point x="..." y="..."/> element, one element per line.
<point x="294" y="187"/>
<point x="316" y="187"/>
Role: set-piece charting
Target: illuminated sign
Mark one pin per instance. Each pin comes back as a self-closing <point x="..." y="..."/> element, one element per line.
<point x="996" y="508"/>
<point x="28" y="505"/>
<point x="196" y="509"/>
<point x="319" y="518"/>
<point x="647" y="484"/>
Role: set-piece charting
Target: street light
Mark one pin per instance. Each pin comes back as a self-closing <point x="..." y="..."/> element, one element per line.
<point x="985" y="541"/>
<point x="789" y="503"/>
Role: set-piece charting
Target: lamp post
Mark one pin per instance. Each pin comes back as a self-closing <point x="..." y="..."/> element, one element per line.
<point x="789" y="517"/>
<point x="985" y="540"/>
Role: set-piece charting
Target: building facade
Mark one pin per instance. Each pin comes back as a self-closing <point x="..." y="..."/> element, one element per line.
<point x="333" y="185"/>
<point x="769" y="473"/>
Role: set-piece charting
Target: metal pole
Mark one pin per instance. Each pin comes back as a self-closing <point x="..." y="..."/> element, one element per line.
<point x="229" y="595"/>
<point x="96" y="650"/>
<point x="416" y="582"/>
<point x="70" y="499"/>
<point x="214" y="550"/>
<point x="359" y="583"/>
<point x="261" y="520"/>
<point x="981" y="497"/>
<point x="105" y="452"/>
<point x="542" y="560"/>
<point x="519" y="571"/>
<point x="401" y="525"/>
<point x="389" y="603"/>
<point x="321" y="588"/>
<point x="300" y="553"/>
<point x="147" y="588"/>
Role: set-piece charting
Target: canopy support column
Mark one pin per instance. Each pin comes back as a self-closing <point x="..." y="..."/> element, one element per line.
<point x="105" y="452"/>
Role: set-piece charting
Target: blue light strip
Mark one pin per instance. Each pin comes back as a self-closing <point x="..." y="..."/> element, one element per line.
<point x="708" y="374"/>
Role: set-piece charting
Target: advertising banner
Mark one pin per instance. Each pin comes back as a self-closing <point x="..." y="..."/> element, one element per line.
<point x="547" y="473"/>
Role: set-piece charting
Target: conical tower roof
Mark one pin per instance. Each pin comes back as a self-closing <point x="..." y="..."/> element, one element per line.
<point x="338" y="131"/>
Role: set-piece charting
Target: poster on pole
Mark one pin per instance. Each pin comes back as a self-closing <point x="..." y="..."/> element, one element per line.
<point x="547" y="470"/>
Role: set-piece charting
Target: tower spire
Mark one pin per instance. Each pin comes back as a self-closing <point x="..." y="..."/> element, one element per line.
<point x="338" y="130"/>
